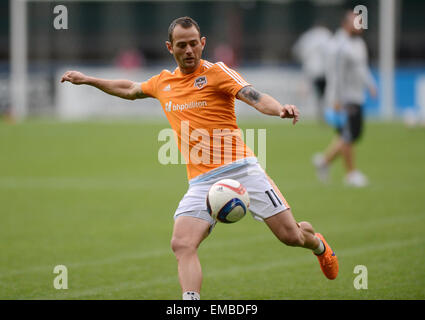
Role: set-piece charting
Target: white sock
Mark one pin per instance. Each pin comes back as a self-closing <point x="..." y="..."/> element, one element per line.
<point x="191" y="295"/>
<point x="320" y="249"/>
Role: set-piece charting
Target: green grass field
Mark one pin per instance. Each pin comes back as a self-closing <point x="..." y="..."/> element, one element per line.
<point x="92" y="196"/>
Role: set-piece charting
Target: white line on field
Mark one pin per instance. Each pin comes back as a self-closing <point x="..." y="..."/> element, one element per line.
<point x="208" y="244"/>
<point x="136" y="256"/>
<point x="130" y="285"/>
<point x="75" y="183"/>
<point x="120" y="183"/>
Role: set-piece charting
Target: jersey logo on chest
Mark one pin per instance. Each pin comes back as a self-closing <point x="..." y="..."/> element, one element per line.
<point x="200" y="82"/>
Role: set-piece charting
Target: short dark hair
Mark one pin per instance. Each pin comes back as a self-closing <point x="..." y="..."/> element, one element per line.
<point x="185" y="22"/>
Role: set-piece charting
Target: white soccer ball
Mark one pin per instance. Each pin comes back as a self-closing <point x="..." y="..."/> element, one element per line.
<point x="227" y="201"/>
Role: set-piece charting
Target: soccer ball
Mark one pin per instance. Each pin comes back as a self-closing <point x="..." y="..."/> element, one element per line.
<point x="227" y="201"/>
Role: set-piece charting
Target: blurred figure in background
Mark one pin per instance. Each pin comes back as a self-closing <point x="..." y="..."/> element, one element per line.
<point x="348" y="76"/>
<point x="311" y="51"/>
<point x="130" y="59"/>
<point x="225" y="53"/>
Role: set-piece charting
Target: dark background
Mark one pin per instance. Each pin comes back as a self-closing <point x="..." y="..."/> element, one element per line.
<point x="258" y="31"/>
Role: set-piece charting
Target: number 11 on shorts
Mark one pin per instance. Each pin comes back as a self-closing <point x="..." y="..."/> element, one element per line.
<point x="272" y="199"/>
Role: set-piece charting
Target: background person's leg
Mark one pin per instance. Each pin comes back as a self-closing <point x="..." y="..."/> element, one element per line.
<point x="347" y="152"/>
<point x="333" y="150"/>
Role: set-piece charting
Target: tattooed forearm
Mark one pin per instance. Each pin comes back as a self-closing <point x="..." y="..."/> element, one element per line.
<point x="250" y="94"/>
<point x="260" y="101"/>
<point x="141" y="95"/>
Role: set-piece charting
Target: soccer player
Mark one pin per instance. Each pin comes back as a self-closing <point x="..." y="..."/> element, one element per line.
<point x="199" y="96"/>
<point x="348" y="76"/>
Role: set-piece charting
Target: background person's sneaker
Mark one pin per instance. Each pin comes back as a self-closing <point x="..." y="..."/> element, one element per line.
<point x="356" y="179"/>
<point x="322" y="169"/>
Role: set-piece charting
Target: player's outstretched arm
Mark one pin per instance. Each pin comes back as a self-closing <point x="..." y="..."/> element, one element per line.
<point x="125" y="89"/>
<point x="267" y="104"/>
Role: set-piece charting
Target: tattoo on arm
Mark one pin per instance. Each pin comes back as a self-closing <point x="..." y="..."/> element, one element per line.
<point x="140" y="95"/>
<point x="137" y="92"/>
<point x="250" y="94"/>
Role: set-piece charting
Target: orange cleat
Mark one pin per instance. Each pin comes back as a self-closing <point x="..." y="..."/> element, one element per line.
<point x="328" y="260"/>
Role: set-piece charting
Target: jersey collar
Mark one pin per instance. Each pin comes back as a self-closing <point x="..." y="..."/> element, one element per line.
<point x="197" y="71"/>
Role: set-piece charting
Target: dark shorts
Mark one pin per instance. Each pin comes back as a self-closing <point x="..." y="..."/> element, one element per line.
<point x="320" y="86"/>
<point x="353" y="127"/>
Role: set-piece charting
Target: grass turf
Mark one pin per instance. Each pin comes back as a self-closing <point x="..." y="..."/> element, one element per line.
<point x="93" y="196"/>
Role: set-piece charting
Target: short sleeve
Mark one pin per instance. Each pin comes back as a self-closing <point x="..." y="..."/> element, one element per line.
<point x="228" y="80"/>
<point x="149" y="86"/>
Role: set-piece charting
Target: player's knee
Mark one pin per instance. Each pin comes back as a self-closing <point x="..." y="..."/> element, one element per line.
<point x="182" y="246"/>
<point x="306" y="226"/>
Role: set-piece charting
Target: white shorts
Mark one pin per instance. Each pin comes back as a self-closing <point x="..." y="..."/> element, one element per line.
<point x="265" y="198"/>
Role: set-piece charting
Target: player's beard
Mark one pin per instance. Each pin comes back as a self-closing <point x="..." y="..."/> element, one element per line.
<point x="190" y="64"/>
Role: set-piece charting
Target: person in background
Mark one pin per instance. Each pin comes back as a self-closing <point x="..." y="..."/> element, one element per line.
<point x="348" y="76"/>
<point x="311" y="51"/>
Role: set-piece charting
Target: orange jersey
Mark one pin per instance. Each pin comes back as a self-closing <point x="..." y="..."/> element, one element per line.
<point x="200" y="107"/>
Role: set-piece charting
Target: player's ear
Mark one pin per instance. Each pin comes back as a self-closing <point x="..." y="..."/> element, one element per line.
<point x="169" y="46"/>
<point x="203" y="41"/>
